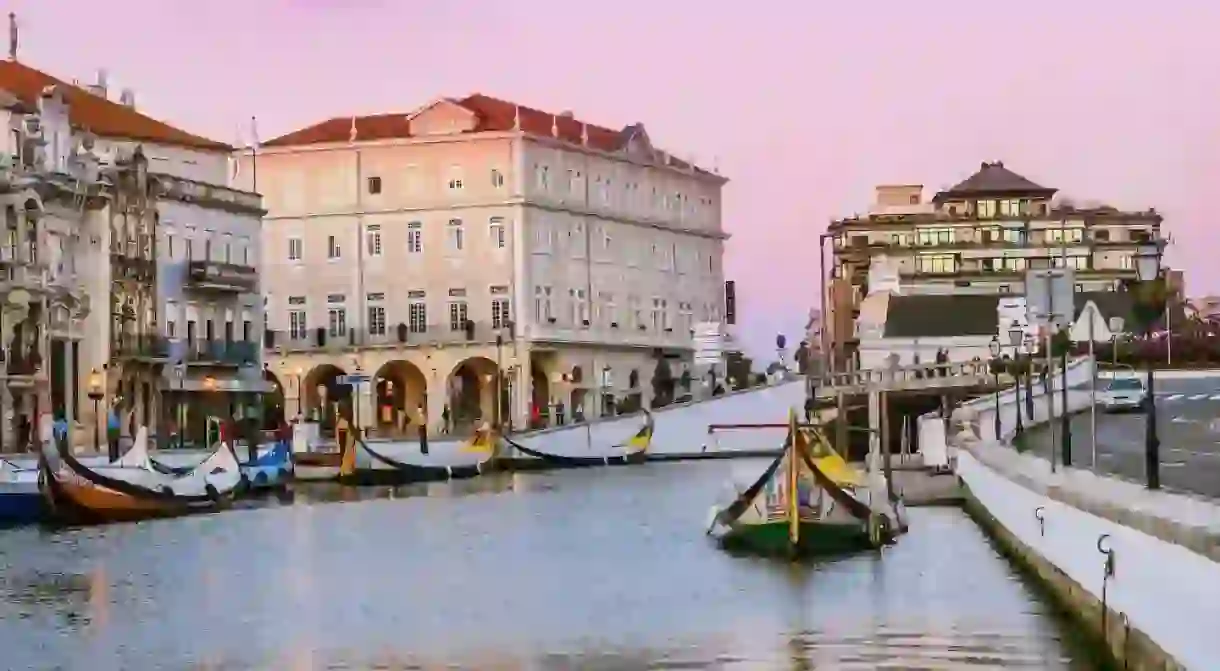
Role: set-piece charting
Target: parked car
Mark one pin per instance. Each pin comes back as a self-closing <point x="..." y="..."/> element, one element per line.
<point x="1123" y="393"/>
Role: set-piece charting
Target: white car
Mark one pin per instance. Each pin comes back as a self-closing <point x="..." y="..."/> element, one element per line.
<point x="1123" y="393"/>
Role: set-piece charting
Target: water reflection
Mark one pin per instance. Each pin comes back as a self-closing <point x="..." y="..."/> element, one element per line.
<point x="576" y="570"/>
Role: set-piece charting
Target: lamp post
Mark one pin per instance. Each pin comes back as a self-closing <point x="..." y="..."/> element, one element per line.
<point x="488" y="380"/>
<point x="209" y="386"/>
<point x="994" y="346"/>
<point x="180" y="373"/>
<point x="1148" y="306"/>
<point x="1015" y="336"/>
<point x="300" y="381"/>
<point x="1029" y="376"/>
<point x="95" y="394"/>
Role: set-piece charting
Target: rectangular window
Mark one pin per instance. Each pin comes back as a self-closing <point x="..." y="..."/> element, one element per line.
<point x="417" y="317"/>
<point x="374" y="185"/>
<point x="336" y="322"/>
<point x="457" y="315"/>
<point x="297" y="329"/>
<point x="294" y="249"/>
<point x="542" y="303"/>
<point x="377" y="320"/>
<point x="497" y="179"/>
<point x="580" y="301"/>
<point x="372" y="240"/>
<point x="455" y="235"/>
<point x="496" y="229"/>
<point x="455" y="179"/>
<point x="936" y="264"/>
<point x="170" y="330"/>
<point x="657" y="310"/>
<point x="190" y="249"/>
<point x="500" y="314"/>
<point x="985" y="209"/>
<point x="169" y="246"/>
<point x="247" y="330"/>
<point x="415" y="237"/>
<point x="333" y="251"/>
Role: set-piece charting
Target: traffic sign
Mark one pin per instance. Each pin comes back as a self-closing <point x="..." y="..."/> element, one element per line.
<point x="709" y="343"/>
<point x="353" y="379"/>
<point x="1091" y="326"/>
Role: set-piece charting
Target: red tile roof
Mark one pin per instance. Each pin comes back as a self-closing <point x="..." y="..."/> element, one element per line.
<point x="493" y="115"/>
<point x="98" y="115"/>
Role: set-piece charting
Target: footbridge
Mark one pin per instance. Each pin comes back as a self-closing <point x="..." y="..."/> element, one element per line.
<point x="919" y="377"/>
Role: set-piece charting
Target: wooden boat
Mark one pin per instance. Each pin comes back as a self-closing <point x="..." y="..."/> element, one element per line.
<point x="270" y="470"/>
<point x="634" y="451"/>
<point x="316" y="466"/>
<point x="21" y="500"/>
<point x="362" y="464"/>
<point x="75" y="492"/>
<point x="796" y="510"/>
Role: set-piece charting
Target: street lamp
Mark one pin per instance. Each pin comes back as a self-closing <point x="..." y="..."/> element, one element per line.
<point x="1148" y="306"/>
<point x="95" y="394"/>
<point x="1015" y="336"/>
<point x="996" y="365"/>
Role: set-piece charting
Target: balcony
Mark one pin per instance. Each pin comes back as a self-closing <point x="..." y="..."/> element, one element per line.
<point x="221" y="353"/>
<point x="221" y="277"/>
<point x="139" y="346"/>
<point x="436" y="335"/>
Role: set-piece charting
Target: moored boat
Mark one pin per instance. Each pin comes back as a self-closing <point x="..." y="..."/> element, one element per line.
<point x="795" y="509"/>
<point x="78" y="493"/>
<point x="21" y="501"/>
<point x="633" y="451"/>
<point x="316" y="466"/>
<point x="362" y="464"/>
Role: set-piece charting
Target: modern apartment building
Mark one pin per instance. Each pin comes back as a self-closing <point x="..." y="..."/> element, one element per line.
<point x="978" y="237"/>
<point x="121" y="192"/>
<point x="475" y="245"/>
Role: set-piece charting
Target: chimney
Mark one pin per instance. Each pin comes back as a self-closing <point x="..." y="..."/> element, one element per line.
<point x="12" y="36"/>
<point x="128" y="98"/>
<point x="99" y="88"/>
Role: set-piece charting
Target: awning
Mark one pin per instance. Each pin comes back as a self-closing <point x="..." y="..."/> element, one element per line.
<point x="222" y="384"/>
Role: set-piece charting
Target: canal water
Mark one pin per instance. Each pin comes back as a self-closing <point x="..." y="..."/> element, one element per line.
<point x="598" y="569"/>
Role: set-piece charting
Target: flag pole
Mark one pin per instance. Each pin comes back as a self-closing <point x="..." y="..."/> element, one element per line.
<point x="253" y="154"/>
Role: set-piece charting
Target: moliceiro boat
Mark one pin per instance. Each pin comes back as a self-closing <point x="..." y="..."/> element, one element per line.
<point x="633" y="451"/>
<point x="362" y="464"/>
<point x="807" y="503"/>
<point x="131" y="489"/>
<point x="21" y="500"/>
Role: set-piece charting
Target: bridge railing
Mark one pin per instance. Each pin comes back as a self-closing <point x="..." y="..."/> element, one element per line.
<point x="962" y="373"/>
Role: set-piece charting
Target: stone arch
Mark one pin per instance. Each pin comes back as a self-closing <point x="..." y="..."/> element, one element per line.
<point x="578" y="394"/>
<point x="325" y="398"/>
<point x="470" y="392"/>
<point x="275" y="403"/>
<point x="540" y="395"/>
<point x="400" y="389"/>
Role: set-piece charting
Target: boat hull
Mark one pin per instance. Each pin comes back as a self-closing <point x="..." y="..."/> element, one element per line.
<point x="369" y="467"/>
<point x="535" y="460"/>
<point x="21" y="506"/>
<point x="816" y="539"/>
<point x="76" y="501"/>
<point x="316" y="466"/>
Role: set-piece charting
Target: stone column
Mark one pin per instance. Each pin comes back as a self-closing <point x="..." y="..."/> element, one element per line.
<point x="874" y="428"/>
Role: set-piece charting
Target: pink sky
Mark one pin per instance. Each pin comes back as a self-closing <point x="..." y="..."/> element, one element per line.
<point x="807" y="105"/>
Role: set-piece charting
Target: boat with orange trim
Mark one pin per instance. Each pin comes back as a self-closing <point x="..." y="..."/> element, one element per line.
<point x="131" y="489"/>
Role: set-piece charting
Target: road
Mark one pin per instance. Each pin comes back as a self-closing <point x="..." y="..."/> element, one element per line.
<point x="1189" y="429"/>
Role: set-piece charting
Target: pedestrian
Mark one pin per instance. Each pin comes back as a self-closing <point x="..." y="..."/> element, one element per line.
<point x="445" y="419"/>
<point x="423" y="430"/>
<point x="112" y="433"/>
